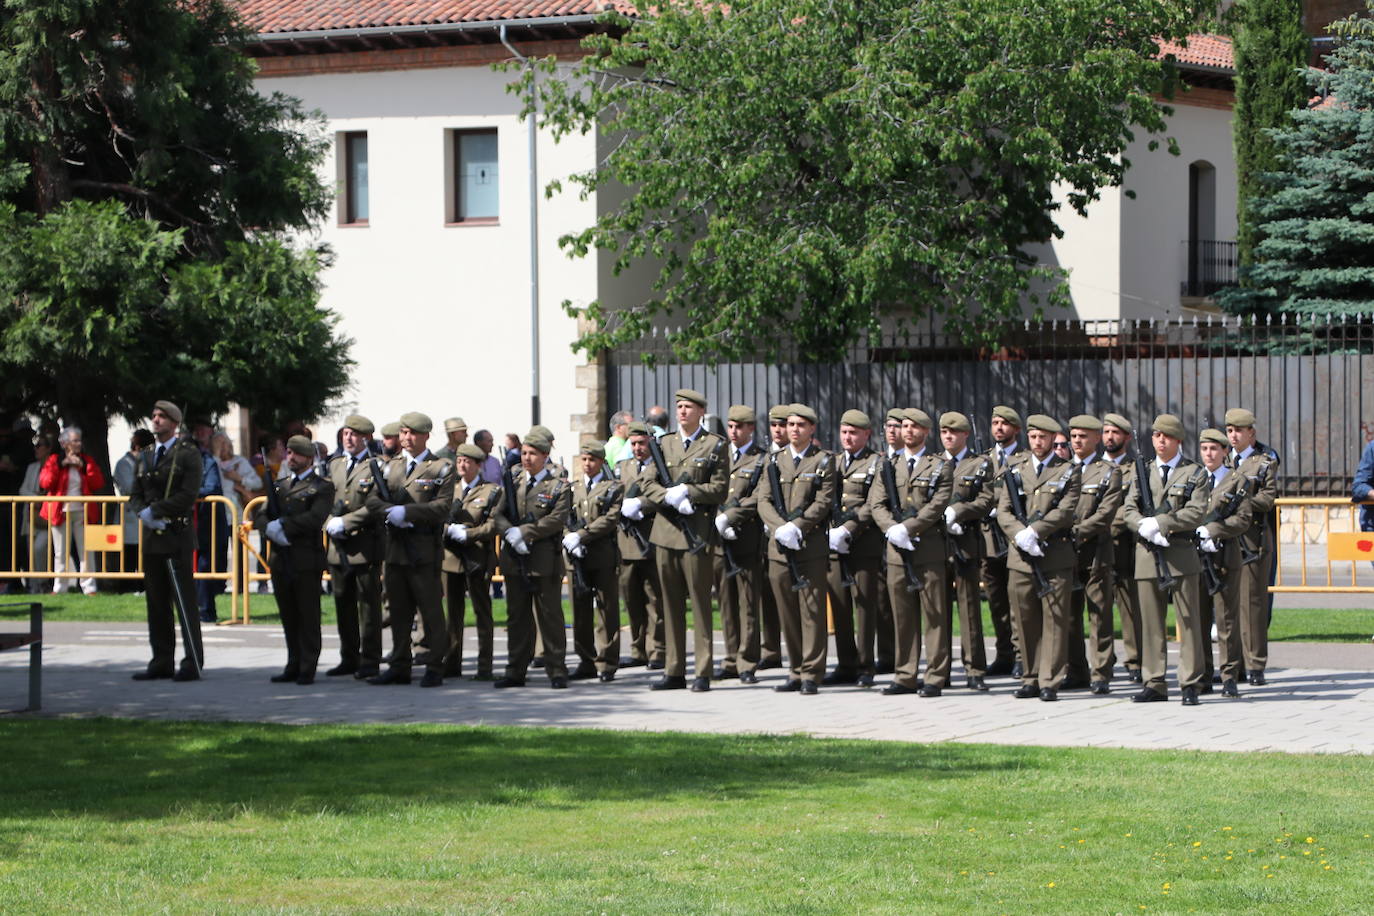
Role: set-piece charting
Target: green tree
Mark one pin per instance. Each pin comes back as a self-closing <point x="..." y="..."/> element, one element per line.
<point x="148" y="194"/>
<point x="1315" y="215"/>
<point x="1271" y="51"/>
<point x="801" y="170"/>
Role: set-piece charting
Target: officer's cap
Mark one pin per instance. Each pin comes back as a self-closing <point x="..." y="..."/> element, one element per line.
<point x="1117" y="420"/>
<point x="171" y="410"/>
<point x="741" y="413"/>
<point x="856" y="418"/>
<point x="468" y="450"/>
<point x="778" y="413"/>
<point x="301" y="446"/>
<point x="417" y="422"/>
<point x="595" y="449"/>
<point x="956" y="421"/>
<point x="690" y="394"/>
<point x="537" y="441"/>
<point x="1169" y="425"/>
<point x="359" y="424"/>
<point x="918" y="416"/>
<point x="1085" y="421"/>
<point x="1240" y="417"/>
<point x="391" y="429"/>
<point x="1213" y="435"/>
<point x="801" y="410"/>
<point x="638" y="428"/>
<point x="1043" y="423"/>
<point x="1008" y="414"/>
<point x="453" y="424"/>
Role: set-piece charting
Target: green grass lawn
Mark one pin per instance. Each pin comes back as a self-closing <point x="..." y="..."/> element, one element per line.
<point x="104" y="815"/>
<point x="1295" y="625"/>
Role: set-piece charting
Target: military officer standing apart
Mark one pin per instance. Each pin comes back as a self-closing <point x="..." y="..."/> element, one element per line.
<point x="1116" y="437"/>
<point x="1006" y="450"/>
<point x="164" y="493"/>
<point x="355" y="556"/>
<point x="1260" y="464"/>
<point x="470" y="559"/>
<point x="1048" y="486"/>
<point x="971" y="498"/>
<point x="1100" y="499"/>
<point x="421" y="489"/>
<point x="1179" y="488"/>
<point x="857" y="546"/>
<point x="1227" y="518"/>
<point x="532" y="562"/>
<point x="298" y="559"/>
<point x="795" y="505"/>
<point x="456" y="431"/>
<point x="741" y="534"/>
<point x="911" y="521"/>
<point x="639" y="587"/>
<point x="590" y="543"/>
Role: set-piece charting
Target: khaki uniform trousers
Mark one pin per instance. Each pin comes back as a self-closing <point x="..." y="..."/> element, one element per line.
<point x="886" y="638"/>
<point x="1043" y="625"/>
<point x="770" y="628"/>
<point x="596" y="627"/>
<point x="1192" y="660"/>
<point x="644" y="608"/>
<point x="535" y="610"/>
<point x="1095" y="661"/>
<point x="994" y="573"/>
<point x="739" y="613"/>
<point x="1223" y="609"/>
<point x="458" y="587"/>
<point x="683" y="575"/>
<point x="802" y="614"/>
<point x="411" y="590"/>
<point x="1254" y="611"/>
<point x="1126" y="597"/>
<point x="964" y="593"/>
<point x="855" y="612"/>
<point x="358" y="609"/>
<point x="913" y="611"/>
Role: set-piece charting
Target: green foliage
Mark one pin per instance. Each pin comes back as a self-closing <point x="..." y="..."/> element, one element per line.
<point x="1271" y="52"/>
<point x="1316" y="215"/>
<point x="802" y="170"/>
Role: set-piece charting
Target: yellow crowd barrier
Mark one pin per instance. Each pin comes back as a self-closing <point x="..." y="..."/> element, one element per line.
<point x="1344" y="545"/>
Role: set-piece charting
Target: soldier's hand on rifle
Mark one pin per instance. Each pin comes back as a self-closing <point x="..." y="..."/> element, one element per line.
<point x="632" y="508"/>
<point x="723" y="526"/>
<point x="839" y="540"/>
<point x="146" y="517"/>
<point x="1210" y="545"/>
<point x="954" y="528"/>
<point x="516" y="540"/>
<point x="900" y="538"/>
<point x="1202" y="533"/>
<point x="1029" y="542"/>
<point x="334" y="526"/>
<point x="1148" y="528"/>
<point x="276" y="535"/>
<point x="789" y="536"/>
<point x="457" y="533"/>
<point x="571" y="541"/>
<point x="949" y="516"/>
<point x="396" y="517"/>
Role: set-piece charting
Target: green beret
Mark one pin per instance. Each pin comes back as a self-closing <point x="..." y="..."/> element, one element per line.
<point x="417" y="422"/>
<point x="359" y="424"/>
<point x="918" y="416"/>
<point x="595" y="449"/>
<point x="170" y="409"/>
<point x="1085" y="421"/>
<point x="741" y="413"/>
<point x="955" y="421"/>
<point x="301" y="446"/>
<point x="539" y="429"/>
<point x="536" y="441"/>
<point x="1043" y="423"/>
<point x="1236" y="416"/>
<point x="1117" y="420"/>
<point x="778" y="413"/>
<point x="690" y="394"/>
<point x="1006" y="413"/>
<point x="468" y="450"/>
<point x="638" y="428"/>
<point x="856" y="418"/>
<point x="801" y="410"/>
<point x="1214" y="435"/>
<point x="896" y="413"/>
<point x="1169" y="425"/>
<point x="453" y="424"/>
<point x="391" y="429"/>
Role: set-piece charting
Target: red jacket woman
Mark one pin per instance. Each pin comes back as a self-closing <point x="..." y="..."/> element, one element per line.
<point x="53" y="478"/>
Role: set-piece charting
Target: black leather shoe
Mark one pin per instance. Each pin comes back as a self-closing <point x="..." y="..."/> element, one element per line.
<point x="627" y="661"/>
<point x="391" y="676"/>
<point x="606" y="677"/>
<point x="701" y="684"/>
<point x="1149" y="695"/>
<point x="1216" y="677"/>
<point x="929" y="690"/>
<point x="896" y="690"/>
<point x="884" y="667"/>
<point x="809" y="689"/>
<point x="1257" y="678"/>
<point x="341" y="669"/>
<point x="655" y="666"/>
<point x="583" y="673"/>
<point x="186" y="674"/>
<point x="558" y="683"/>
<point x="482" y="676"/>
<point x="788" y="687"/>
<point x="1134" y="676"/>
<point x="775" y="662"/>
<point x="1205" y="687"/>
<point x="503" y="682"/>
<point x="366" y="672"/>
<point x="669" y="682"/>
<point x="1018" y="669"/>
<point x="1228" y="689"/>
<point x="285" y="677"/>
<point x="1190" y="696"/>
<point x="305" y="680"/>
<point x="748" y="677"/>
<point x="1027" y="692"/>
<point x="537" y="662"/>
<point x="453" y="671"/>
<point x="432" y="679"/>
<point x="976" y="683"/>
<point x="1000" y="667"/>
<point x="835" y="678"/>
<point x="152" y="676"/>
<point x="1074" y="684"/>
<point x="1242" y="677"/>
<point x="725" y="674"/>
<point x="1049" y="694"/>
<point x="865" y="680"/>
<point x="1100" y="688"/>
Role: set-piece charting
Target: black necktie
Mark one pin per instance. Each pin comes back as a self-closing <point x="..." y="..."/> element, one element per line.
<point x="910" y="466"/>
<point x="796" y="461"/>
<point x="161" y="450"/>
<point x="410" y="467"/>
<point x="1164" y="474"/>
<point x="1039" y="468"/>
<point x="352" y="463"/>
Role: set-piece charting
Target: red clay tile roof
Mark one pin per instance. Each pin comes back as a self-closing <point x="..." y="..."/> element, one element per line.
<point x="269" y="16"/>
<point x="1212" y="51"/>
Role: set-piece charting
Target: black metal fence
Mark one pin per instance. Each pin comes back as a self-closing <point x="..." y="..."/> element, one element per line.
<point x="1212" y="265"/>
<point x="1310" y="383"/>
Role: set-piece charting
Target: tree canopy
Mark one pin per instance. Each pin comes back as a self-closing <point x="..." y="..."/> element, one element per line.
<point x="148" y="197"/>
<point x="801" y="170"/>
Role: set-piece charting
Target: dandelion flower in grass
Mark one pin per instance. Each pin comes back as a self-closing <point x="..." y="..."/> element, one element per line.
<point x="1309" y="840"/>
<point x="1197" y="843"/>
<point x="1051" y="884"/>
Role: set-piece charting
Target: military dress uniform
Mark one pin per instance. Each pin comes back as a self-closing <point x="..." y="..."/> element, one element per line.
<point x="1125" y="594"/>
<point x="535" y="606"/>
<point x="993" y="570"/>
<point x="971" y="498"/>
<point x="305" y="500"/>
<point x="167" y="483"/>
<point x="468" y="566"/>
<point x="1228" y="517"/>
<point x="854" y="608"/>
<point x="594" y="516"/>
<point x="1261" y="465"/>
<point x="1049" y="491"/>
<point x="741" y="595"/>
<point x="1094" y="571"/>
<point x="639" y="589"/>
<point x="355" y="568"/>
<point x="804" y="497"/>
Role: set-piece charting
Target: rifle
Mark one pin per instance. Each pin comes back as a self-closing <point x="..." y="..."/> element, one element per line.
<point x="508" y="491"/>
<point x="838" y="516"/>
<point x="955" y="548"/>
<point x="579" y="572"/>
<point x="732" y="567"/>
<point x="274" y="512"/>
<point x="999" y="537"/>
<point x="1146" y="501"/>
<point x="1228" y="508"/>
<point x="1248" y="556"/>
<point x="1018" y="512"/>
<point x="386" y="495"/>
<point x="889" y="476"/>
<point x="694" y="542"/>
<point x="799" y="581"/>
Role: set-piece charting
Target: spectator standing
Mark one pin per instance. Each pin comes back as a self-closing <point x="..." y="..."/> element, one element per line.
<point x="212" y="525"/>
<point x="70" y="472"/>
<point x="125" y="472"/>
<point x="34" y="559"/>
<point x="241" y="481"/>
<point x="1362" y="490"/>
<point x="512" y="450"/>
<point x="489" y="471"/>
<point x="620" y="430"/>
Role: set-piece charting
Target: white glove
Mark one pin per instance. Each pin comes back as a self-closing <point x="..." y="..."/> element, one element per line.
<point x="839" y="540"/>
<point x="954" y="528"/>
<point x="675" y="495"/>
<point x="1202" y="532"/>
<point x="992" y="513"/>
<point x="789" y="536"/>
<point x="900" y="538"/>
<point x="146" y="516"/>
<point x="1210" y="545"/>
<point x="1029" y="541"/>
<point x="722" y="523"/>
<point x="276" y="535"/>
<point x="570" y="542"/>
<point x="396" y="517"/>
<point x="1148" y="528"/>
<point x="457" y="533"/>
<point x="334" y="526"/>
<point x="516" y="540"/>
<point x="1160" y="539"/>
<point x="730" y="534"/>
<point x="579" y="551"/>
<point x="632" y="508"/>
<point x="949" y="516"/>
<point x="685" y="507"/>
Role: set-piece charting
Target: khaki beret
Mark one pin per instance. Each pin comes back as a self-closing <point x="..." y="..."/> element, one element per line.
<point x="1236" y="416"/>
<point x="741" y="413"/>
<point x="1006" y="413"/>
<point x="801" y="410"/>
<point x="417" y="422"/>
<point x="468" y="450"/>
<point x="638" y="428"/>
<point x="359" y="424"/>
<point x="301" y="446"/>
<point x="896" y="413"/>
<point x="1117" y="420"/>
<point x="856" y="418"/>
<point x="536" y="441"/>
<point x="1214" y="435"/>
<point x="169" y="409"/>
<point x="1169" y="425"/>
<point x="690" y="394"/>
<point x="539" y="429"/>
<point x="1085" y="421"/>
<point x="778" y="413"/>
<point x="918" y="416"/>
<point x="391" y="429"/>
<point x="453" y="424"/>
<point x="956" y="421"/>
<point x="1043" y="423"/>
<point x="595" y="449"/>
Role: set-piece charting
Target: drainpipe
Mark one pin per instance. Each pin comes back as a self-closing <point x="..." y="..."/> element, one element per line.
<point x="534" y="240"/>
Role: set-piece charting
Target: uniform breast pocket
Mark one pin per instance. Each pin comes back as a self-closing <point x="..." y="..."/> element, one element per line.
<point x="700" y="468"/>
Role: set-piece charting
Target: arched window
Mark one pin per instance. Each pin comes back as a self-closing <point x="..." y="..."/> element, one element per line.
<point x="1211" y="262"/>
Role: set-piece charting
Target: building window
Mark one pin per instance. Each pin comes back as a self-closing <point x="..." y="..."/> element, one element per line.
<point x="1209" y="263"/>
<point x="473" y="177"/>
<point x="353" y="183"/>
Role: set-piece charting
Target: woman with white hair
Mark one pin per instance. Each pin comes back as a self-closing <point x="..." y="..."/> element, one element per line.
<point x="70" y="472"/>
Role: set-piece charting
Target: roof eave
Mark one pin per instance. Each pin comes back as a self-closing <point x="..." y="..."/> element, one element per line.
<point x="437" y="28"/>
